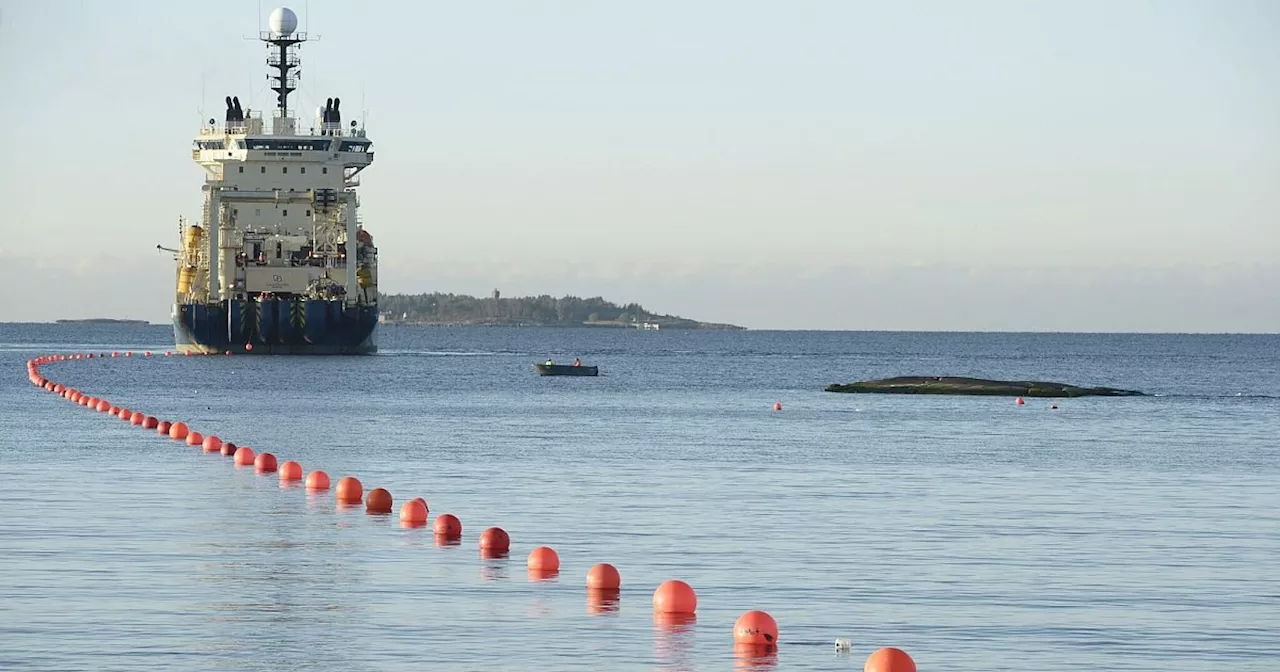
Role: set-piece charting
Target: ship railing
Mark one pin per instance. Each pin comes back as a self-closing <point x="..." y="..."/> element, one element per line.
<point x="337" y="132"/>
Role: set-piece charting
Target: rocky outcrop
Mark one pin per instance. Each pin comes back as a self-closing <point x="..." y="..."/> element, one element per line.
<point x="978" y="386"/>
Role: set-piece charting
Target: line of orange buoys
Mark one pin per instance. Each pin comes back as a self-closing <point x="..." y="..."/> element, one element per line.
<point x="754" y="633"/>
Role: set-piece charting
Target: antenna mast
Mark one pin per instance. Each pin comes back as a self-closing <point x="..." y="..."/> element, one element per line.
<point x="282" y="55"/>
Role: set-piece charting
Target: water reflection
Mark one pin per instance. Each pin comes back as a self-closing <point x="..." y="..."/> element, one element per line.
<point x="494" y="568"/>
<point x="444" y="540"/>
<point x="539" y="608"/>
<point x="673" y="639"/>
<point x="543" y="575"/>
<point x="603" y="601"/>
<point x="752" y="657"/>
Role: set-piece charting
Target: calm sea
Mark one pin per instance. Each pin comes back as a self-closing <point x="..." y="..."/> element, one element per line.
<point x="1110" y="534"/>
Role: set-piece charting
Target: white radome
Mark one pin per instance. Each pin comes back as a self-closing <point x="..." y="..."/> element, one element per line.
<point x="283" y="21"/>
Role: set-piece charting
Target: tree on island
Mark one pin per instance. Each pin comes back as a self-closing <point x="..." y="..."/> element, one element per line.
<point x="544" y="310"/>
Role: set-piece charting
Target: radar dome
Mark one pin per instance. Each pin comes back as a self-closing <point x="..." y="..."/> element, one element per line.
<point x="283" y="21"/>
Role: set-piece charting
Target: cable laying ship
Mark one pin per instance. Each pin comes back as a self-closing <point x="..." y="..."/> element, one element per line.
<point x="280" y="263"/>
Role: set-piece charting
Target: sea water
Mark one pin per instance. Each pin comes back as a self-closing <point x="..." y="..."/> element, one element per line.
<point x="1134" y="533"/>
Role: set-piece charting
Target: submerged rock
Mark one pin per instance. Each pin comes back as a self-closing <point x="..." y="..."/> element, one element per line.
<point x="978" y="386"/>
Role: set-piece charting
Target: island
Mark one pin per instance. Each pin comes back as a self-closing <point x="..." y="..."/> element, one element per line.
<point x="101" y="320"/>
<point x="495" y="310"/>
<point x="978" y="386"/>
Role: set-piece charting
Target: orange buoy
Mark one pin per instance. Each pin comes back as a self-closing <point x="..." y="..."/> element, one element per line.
<point x="777" y="405"/>
<point x="290" y="471"/>
<point x="317" y="480"/>
<point x="59" y="389"/>
<point x="129" y="353"/>
<point x="212" y="444"/>
<point x="178" y="430"/>
<point x="136" y="418"/>
<point x="124" y="414"/>
<point x="495" y="539"/>
<point x="349" y="490"/>
<point x="168" y="353"/>
<point x="195" y="439"/>
<point x="244" y="456"/>
<point x="889" y="659"/>
<point x="424" y="504"/>
<point x="378" y="501"/>
<point x="103" y="405"/>
<point x="163" y="427"/>
<point x="603" y="576"/>
<point x="264" y="463"/>
<point x="1019" y="401"/>
<point x="228" y="352"/>
<point x="755" y="629"/>
<point x="413" y="513"/>
<point x="228" y="449"/>
<point x="448" y="526"/>
<point x="150" y="422"/>
<point x="1053" y="407"/>
<point x="543" y="559"/>
<point x="248" y="346"/>
<point x="675" y="597"/>
<point x="146" y="354"/>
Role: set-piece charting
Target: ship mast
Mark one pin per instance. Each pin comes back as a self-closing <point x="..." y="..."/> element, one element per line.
<point x="282" y="41"/>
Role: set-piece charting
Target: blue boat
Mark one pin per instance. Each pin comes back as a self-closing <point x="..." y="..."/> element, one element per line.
<point x="279" y="263"/>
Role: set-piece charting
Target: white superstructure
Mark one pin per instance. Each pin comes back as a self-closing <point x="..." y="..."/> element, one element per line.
<point x="280" y="215"/>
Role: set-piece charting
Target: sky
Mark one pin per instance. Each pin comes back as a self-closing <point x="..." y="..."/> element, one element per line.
<point x="989" y="165"/>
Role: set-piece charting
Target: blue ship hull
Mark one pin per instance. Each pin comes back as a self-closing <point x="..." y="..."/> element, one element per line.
<point x="275" y="327"/>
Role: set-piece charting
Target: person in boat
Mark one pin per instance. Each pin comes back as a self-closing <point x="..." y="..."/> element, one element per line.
<point x="577" y="362"/>
<point x="549" y="362"/>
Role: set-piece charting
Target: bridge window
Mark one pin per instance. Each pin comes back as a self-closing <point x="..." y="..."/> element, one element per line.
<point x="241" y="168"/>
<point x="303" y="170"/>
<point x="284" y="213"/>
<point x="264" y="170"/>
<point x="325" y="170"/>
<point x="288" y="145"/>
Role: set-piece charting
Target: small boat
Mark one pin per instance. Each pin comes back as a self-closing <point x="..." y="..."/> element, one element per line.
<point x="565" y="370"/>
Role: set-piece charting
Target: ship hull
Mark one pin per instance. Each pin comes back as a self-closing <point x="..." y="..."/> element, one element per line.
<point x="275" y="327"/>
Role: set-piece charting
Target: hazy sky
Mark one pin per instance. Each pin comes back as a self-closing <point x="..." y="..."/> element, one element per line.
<point x="1081" y="165"/>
